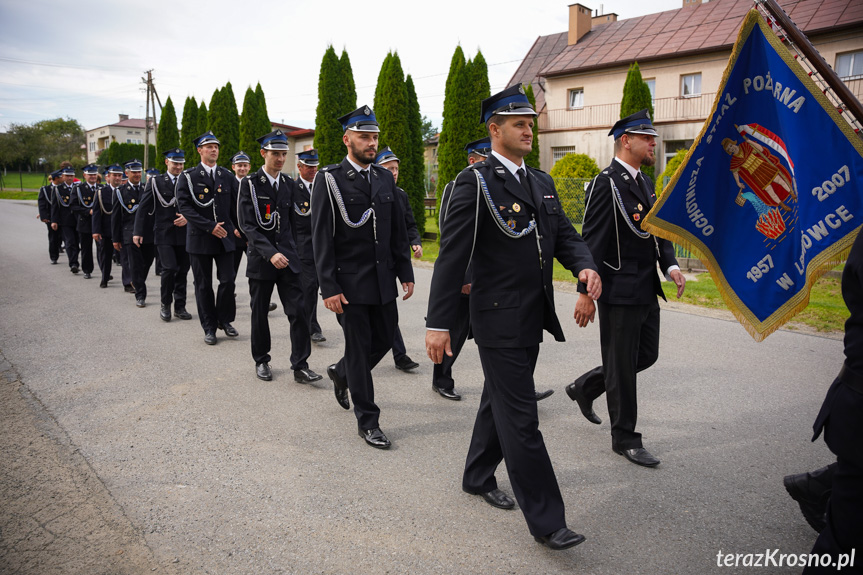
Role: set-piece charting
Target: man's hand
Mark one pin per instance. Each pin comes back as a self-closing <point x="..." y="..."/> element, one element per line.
<point x="418" y="251"/>
<point x="97" y="237"/>
<point x="465" y="289"/>
<point x="237" y="233"/>
<point x="585" y="310"/>
<point x="591" y="279"/>
<point x="437" y="343"/>
<point x="279" y="260"/>
<point x="334" y="303"/>
<point x="408" y="287"/>
<point x="180" y="220"/>
<point x="678" y="278"/>
<point x="219" y="231"/>
<point x="138" y="240"/>
<point x="54" y="227"/>
<point x="118" y="246"/>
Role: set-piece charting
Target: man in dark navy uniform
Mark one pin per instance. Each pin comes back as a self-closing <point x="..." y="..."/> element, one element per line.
<point x="204" y="197"/>
<point x="628" y="308"/>
<point x="101" y="222"/>
<point x="63" y="219"/>
<point x="307" y="166"/>
<point x="505" y="219"/>
<point x="361" y="247"/>
<point x="159" y="209"/>
<point x="138" y="257"/>
<point x="46" y="199"/>
<point x="240" y="164"/>
<point x="265" y="212"/>
<point x="83" y="202"/>
<point x="388" y="160"/>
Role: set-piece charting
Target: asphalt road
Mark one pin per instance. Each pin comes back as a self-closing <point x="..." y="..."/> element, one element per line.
<point x="190" y="464"/>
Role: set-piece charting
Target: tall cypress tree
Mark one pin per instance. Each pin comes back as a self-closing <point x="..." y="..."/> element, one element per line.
<point x="167" y="135"/>
<point x="328" y="130"/>
<point x="413" y="180"/>
<point x="450" y="148"/>
<point x="349" y="91"/>
<point x="250" y="128"/>
<point x="264" y="115"/>
<point x="190" y="131"/>
<point x="231" y="122"/>
<point x="636" y="96"/>
<point x="479" y="90"/>
<point x="532" y="159"/>
<point x="202" y="120"/>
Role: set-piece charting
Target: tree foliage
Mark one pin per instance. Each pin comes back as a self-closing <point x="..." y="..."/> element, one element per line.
<point x="328" y="130"/>
<point x="253" y="125"/>
<point x="167" y="135"/>
<point x="636" y="96"/>
<point x="265" y="115"/>
<point x="118" y="153"/>
<point x="414" y="172"/>
<point x="349" y="87"/>
<point x="44" y="143"/>
<point x="189" y="127"/>
<point x="532" y="159"/>
<point x="203" y="120"/>
<point x="575" y="166"/>
<point x="670" y="168"/>
<point x="224" y="121"/>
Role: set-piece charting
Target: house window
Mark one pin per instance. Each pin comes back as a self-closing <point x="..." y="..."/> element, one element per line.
<point x="850" y="66"/>
<point x="690" y="85"/>
<point x="576" y="98"/>
<point x="651" y="85"/>
<point x="92" y="146"/>
<point x="560" y="152"/>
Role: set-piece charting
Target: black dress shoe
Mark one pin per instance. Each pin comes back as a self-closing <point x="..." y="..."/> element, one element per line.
<point x="405" y="363"/>
<point x="273" y="306"/>
<point x="181" y="313"/>
<point x="497" y="498"/>
<point x="165" y="313"/>
<point x="340" y="386"/>
<point x="210" y="338"/>
<point x="305" y="376"/>
<point x="639" y="456"/>
<point x="229" y="329"/>
<point x="375" y="437"/>
<point x="53" y="262"/>
<point x="128" y="289"/>
<point x="563" y="538"/>
<point x="87" y="276"/>
<point x="110" y="278"/>
<point x="103" y="284"/>
<point x="446" y="393"/>
<point x="540" y="395"/>
<point x="813" y="498"/>
<point x="262" y="370"/>
<point x="140" y="303"/>
<point x="74" y="269"/>
<point x="318" y="337"/>
<point x="576" y="393"/>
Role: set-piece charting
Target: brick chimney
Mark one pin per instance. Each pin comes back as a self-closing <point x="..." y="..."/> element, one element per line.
<point x="579" y="22"/>
<point x="691" y="3"/>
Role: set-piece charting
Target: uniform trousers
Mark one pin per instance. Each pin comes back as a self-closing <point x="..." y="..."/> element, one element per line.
<point x="368" y="333"/>
<point x="842" y="417"/>
<point x="125" y="267"/>
<point x="629" y="336"/>
<point x="310" y="294"/>
<point x="399" y="350"/>
<point x="140" y="260"/>
<point x="70" y="238"/>
<point x="290" y="290"/>
<point x="220" y="308"/>
<point x="54" y="238"/>
<point x="238" y="255"/>
<point x="507" y="428"/>
<point x="105" y="252"/>
<point x="86" y="252"/>
<point x="442" y="372"/>
<point x="175" y="269"/>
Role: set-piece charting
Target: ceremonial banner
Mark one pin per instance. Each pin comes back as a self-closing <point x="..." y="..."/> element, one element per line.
<point x="770" y="196"/>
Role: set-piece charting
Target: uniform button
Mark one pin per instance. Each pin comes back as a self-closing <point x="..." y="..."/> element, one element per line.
<point x="495" y="304"/>
<point x="378" y="261"/>
<point x="373" y="203"/>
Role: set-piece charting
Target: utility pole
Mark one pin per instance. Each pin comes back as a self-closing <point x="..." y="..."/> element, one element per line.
<point x="149" y="82"/>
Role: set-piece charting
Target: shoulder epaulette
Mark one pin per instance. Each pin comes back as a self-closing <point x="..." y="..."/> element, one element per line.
<point x="330" y="168"/>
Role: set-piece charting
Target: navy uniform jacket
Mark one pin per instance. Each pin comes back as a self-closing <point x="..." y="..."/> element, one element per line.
<point x="61" y="209"/>
<point x="235" y="194"/>
<point x="511" y="298"/>
<point x="263" y="243"/>
<point x="82" y="202"/>
<point x="155" y="222"/>
<point x="608" y="234"/>
<point x="45" y="200"/>
<point x="410" y="222"/>
<point x="101" y="218"/>
<point x="127" y="201"/>
<point x="302" y="220"/>
<point x="201" y="222"/>
<point x="351" y="260"/>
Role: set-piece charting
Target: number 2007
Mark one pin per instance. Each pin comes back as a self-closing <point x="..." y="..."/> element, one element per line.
<point x="835" y="182"/>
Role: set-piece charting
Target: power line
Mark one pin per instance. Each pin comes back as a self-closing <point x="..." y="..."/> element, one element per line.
<point x="52" y="65"/>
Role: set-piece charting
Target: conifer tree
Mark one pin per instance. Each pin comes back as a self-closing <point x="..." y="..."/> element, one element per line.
<point x="450" y="160"/>
<point x="414" y="158"/>
<point x="477" y="76"/>
<point x="167" y="134"/>
<point x="230" y="137"/>
<point x="636" y="96"/>
<point x="190" y="131"/>
<point x="250" y="128"/>
<point x="202" y="120"/>
<point x="264" y="116"/>
<point x="532" y="159"/>
<point x="328" y="130"/>
<point x="349" y="92"/>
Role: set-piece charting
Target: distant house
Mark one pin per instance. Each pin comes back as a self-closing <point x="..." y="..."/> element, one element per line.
<point x="299" y="140"/>
<point x="126" y="131"/>
<point x="578" y="75"/>
<point x="431" y="163"/>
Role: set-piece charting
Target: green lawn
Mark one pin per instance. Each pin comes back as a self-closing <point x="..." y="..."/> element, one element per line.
<point x="22" y="180"/>
<point x="18" y="195"/>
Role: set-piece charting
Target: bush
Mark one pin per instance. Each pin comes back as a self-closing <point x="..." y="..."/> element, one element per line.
<point x="670" y="168"/>
<point x="575" y="166"/>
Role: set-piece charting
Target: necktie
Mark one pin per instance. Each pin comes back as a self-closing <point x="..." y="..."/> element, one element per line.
<point x="525" y="183"/>
<point x="365" y="174"/>
<point x="642" y="184"/>
<point x="276" y="185"/>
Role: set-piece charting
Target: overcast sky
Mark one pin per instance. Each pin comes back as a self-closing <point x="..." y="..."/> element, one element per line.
<point x="85" y="60"/>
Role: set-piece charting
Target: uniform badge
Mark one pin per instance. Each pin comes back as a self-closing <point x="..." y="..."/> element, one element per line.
<point x="202" y="172"/>
<point x="133" y="200"/>
<point x="206" y="190"/>
<point x="267" y="215"/>
<point x="305" y="203"/>
<point x="636" y="217"/>
<point x="640" y="207"/>
<point x="510" y="223"/>
<point x="366" y="111"/>
<point x="200" y="196"/>
<point x="516" y="208"/>
<point x="263" y="179"/>
<point x="625" y="178"/>
<point x="219" y="191"/>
